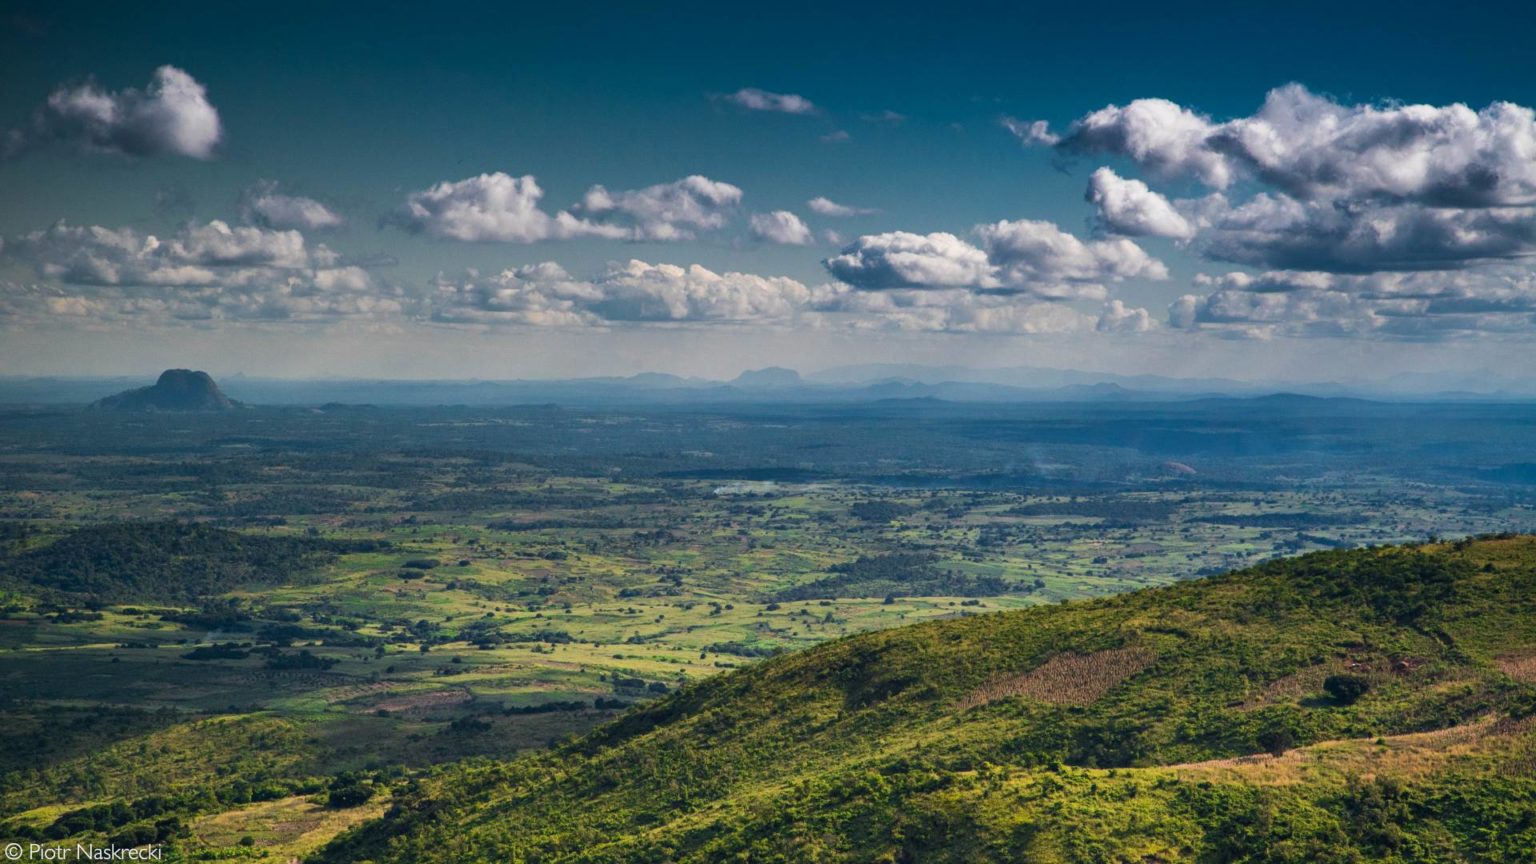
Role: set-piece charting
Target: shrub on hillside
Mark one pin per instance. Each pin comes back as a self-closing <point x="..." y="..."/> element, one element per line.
<point x="1346" y="689"/>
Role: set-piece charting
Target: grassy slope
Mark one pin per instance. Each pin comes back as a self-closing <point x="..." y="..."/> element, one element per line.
<point x="903" y="745"/>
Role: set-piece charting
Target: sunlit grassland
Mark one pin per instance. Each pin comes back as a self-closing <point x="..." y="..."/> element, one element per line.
<point x="281" y="830"/>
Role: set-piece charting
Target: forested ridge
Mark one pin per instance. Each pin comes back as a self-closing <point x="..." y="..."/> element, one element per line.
<point x="166" y="561"/>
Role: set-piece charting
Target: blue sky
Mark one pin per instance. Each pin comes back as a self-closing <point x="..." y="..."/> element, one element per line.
<point x="358" y="108"/>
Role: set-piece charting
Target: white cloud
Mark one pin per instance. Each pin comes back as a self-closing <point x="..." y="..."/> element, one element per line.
<point x="1037" y="255"/>
<point x="105" y="256"/>
<point x="1031" y="132"/>
<point x="949" y="310"/>
<point x="1315" y="149"/>
<point x="1159" y="135"/>
<point x="1416" y="306"/>
<point x="1254" y="315"/>
<point x="667" y="211"/>
<point x="1119" y="318"/>
<point x="637" y="291"/>
<point x="493" y="207"/>
<point x="1277" y="231"/>
<point x="264" y="205"/>
<point x="824" y="206"/>
<point x="171" y="116"/>
<point x="754" y="99"/>
<point x="1022" y="257"/>
<point x="203" y="272"/>
<point x="1129" y="207"/>
<point x="1346" y="188"/>
<point x="500" y="208"/>
<point x="900" y="259"/>
<point x="780" y="226"/>
<point x="538" y="294"/>
<point x="632" y="292"/>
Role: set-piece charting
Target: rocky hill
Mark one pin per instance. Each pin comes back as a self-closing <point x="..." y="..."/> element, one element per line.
<point x="176" y="390"/>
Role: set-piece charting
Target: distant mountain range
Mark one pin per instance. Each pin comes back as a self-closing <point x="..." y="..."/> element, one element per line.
<point x="773" y="384"/>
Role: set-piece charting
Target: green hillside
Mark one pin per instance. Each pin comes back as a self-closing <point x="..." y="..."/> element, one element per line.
<point x="1342" y="706"/>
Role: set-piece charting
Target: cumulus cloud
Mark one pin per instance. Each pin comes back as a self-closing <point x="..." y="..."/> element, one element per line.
<point x="1129" y="207"/>
<point x="899" y="259"/>
<point x="1157" y="134"/>
<point x="1386" y="305"/>
<point x="493" y="207"/>
<point x="823" y="206"/>
<point x="1317" y="149"/>
<point x="171" y="116"/>
<point x="104" y="256"/>
<point x="666" y="211"/>
<point x="1021" y="256"/>
<point x="538" y="294"/>
<point x="780" y="226"/>
<point x="1313" y="148"/>
<point x="1254" y="315"/>
<point x="637" y="291"/>
<point x="203" y="272"/>
<point x="505" y="209"/>
<point x="263" y="204"/>
<point x="949" y="310"/>
<point x="753" y="99"/>
<point x="1343" y="188"/>
<point x="1039" y="256"/>
<point x="1119" y="318"/>
<point x="1275" y="230"/>
<point x="631" y="292"/>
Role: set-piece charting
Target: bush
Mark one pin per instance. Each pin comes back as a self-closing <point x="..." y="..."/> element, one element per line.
<point x="227" y="651"/>
<point x="302" y="660"/>
<point x="1277" y="741"/>
<point x="1346" y="689"/>
<point x="352" y="795"/>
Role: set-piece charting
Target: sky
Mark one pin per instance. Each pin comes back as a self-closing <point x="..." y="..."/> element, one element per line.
<point x="1317" y="192"/>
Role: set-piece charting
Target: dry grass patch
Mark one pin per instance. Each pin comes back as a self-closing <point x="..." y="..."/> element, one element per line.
<point x="357" y="691"/>
<point x="1415" y="754"/>
<point x="425" y="701"/>
<point x="1067" y="679"/>
<point x="284" y="830"/>
<point x="1519" y="667"/>
<point x="1308" y="681"/>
